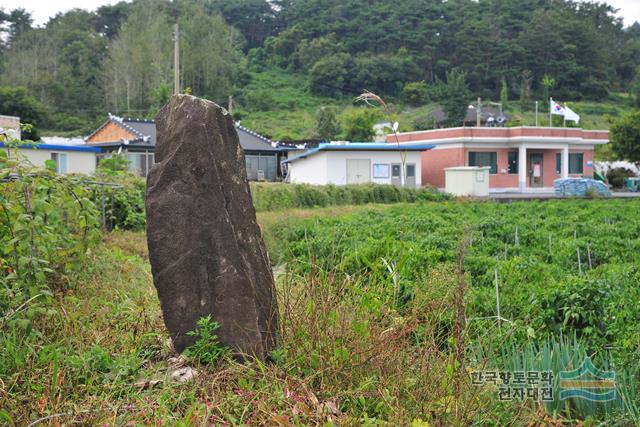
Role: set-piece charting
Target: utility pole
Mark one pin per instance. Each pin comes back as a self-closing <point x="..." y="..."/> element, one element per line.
<point x="536" y="113"/>
<point x="479" y="112"/>
<point x="230" y="105"/>
<point x="176" y="59"/>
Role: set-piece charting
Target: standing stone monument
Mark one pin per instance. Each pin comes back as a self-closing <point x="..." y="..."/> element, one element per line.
<point x="205" y="247"/>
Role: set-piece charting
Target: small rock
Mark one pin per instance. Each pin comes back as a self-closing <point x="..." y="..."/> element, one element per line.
<point x="183" y="374"/>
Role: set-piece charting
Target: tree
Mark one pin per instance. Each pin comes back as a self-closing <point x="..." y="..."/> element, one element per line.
<point x="328" y="76"/>
<point x="415" y="93"/>
<point x="625" y="137"/>
<point x="454" y="97"/>
<point x="634" y="90"/>
<point x="504" y="95"/>
<point x="327" y="125"/>
<point x="548" y="83"/>
<point x="14" y="101"/>
<point x="358" y="124"/>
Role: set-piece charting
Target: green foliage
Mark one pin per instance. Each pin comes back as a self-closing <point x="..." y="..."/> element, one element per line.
<point x="327" y="125"/>
<point x="14" y="101"/>
<point x="48" y="224"/>
<point x="634" y="90"/>
<point x="504" y="95"/>
<point x="550" y="281"/>
<point x="118" y="58"/>
<point x="416" y="93"/>
<point x="454" y="96"/>
<point x="616" y="177"/>
<point x="113" y="164"/>
<point x="123" y="195"/>
<point x="274" y="197"/>
<point x="206" y="350"/>
<point x="566" y="354"/>
<point x="358" y="124"/>
<point x="329" y="75"/>
<point x="625" y="137"/>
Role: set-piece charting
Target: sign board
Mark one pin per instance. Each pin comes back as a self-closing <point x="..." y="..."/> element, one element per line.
<point x="536" y="171"/>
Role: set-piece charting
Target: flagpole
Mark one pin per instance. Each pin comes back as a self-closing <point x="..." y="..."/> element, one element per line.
<point x="536" y="113"/>
<point x="564" y="118"/>
<point x="550" y="112"/>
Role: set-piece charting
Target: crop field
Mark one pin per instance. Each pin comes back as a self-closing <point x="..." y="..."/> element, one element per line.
<point x="567" y="273"/>
<point x="561" y="266"/>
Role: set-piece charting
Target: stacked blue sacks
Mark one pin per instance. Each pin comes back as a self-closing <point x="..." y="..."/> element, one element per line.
<point x="578" y="187"/>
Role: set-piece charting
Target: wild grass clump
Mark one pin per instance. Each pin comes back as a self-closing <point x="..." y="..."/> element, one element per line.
<point x="346" y="356"/>
<point x="279" y="196"/>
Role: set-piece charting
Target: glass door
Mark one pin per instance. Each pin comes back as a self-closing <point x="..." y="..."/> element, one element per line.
<point x="535" y="169"/>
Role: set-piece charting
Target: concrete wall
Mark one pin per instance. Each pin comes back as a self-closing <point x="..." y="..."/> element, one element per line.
<point x="310" y="170"/>
<point x="330" y="167"/>
<point x="77" y="161"/>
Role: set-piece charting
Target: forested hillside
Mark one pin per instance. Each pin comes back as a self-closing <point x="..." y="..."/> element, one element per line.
<point x="82" y="64"/>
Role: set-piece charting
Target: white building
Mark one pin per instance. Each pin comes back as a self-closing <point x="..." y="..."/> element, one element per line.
<point x="357" y="163"/>
<point x="68" y="158"/>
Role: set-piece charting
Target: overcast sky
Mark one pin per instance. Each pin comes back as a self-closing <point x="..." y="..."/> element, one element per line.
<point x="42" y="10"/>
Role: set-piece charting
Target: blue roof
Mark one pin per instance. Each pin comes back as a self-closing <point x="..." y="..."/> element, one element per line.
<point x="55" y="147"/>
<point x="360" y="146"/>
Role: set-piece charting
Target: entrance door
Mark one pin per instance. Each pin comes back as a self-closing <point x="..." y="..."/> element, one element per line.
<point x="395" y="174"/>
<point x="535" y="163"/>
<point x="358" y="171"/>
<point x="410" y="177"/>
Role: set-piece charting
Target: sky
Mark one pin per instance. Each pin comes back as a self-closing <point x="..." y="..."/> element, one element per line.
<point x="42" y="10"/>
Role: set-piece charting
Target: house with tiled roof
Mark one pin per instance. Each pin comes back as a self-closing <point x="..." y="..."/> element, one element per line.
<point x="137" y="139"/>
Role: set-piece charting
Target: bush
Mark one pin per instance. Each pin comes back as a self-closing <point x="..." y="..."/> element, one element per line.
<point x="278" y="196"/>
<point x="206" y="350"/>
<point x="415" y="93"/>
<point x="123" y="199"/>
<point x="617" y="176"/>
<point x="48" y="224"/>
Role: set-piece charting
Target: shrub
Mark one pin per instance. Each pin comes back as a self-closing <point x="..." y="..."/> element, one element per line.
<point x="207" y="349"/>
<point x="48" y="224"/>
<point x="278" y="196"/>
<point x="617" y="176"/>
<point x="416" y="93"/>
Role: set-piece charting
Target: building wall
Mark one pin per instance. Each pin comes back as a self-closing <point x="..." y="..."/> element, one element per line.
<point x="435" y="161"/>
<point x="330" y="167"/>
<point x="310" y="170"/>
<point x="77" y="161"/>
<point x="110" y="132"/>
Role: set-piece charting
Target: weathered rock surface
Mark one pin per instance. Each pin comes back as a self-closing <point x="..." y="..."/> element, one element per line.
<point x="205" y="247"/>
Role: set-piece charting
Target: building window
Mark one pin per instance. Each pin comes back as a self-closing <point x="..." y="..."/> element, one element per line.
<point x="576" y="163"/>
<point x="513" y="162"/>
<point x="411" y="170"/>
<point x="484" y="158"/>
<point x="61" y="162"/>
<point x="261" y="167"/>
<point x="140" y="163"/>
<point x="380" y="170"/>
